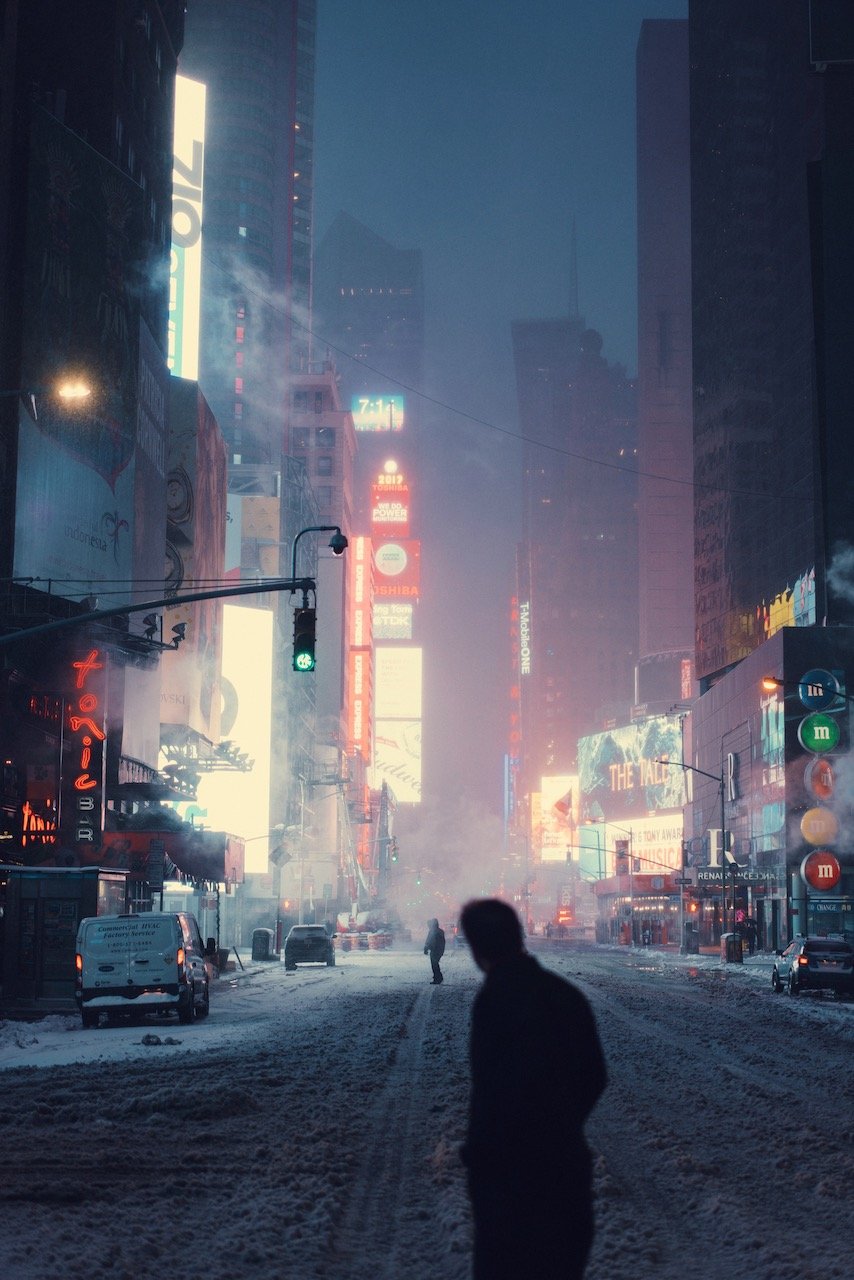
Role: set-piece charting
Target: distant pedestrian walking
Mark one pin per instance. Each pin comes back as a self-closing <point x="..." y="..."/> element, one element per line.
<point x="434" y="947"/>
<point x="537" y="1070"/>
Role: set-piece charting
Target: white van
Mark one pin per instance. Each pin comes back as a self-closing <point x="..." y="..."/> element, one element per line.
<point x="153" y="962"/>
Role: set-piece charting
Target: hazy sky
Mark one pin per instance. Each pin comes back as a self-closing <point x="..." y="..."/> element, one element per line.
<point x="476" y="130"/>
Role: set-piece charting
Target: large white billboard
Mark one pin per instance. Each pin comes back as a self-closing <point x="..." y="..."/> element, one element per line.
<point x="185" y="263"/>
<point x="239" y="803"/>
<point x="397" y="759"/>
<point x="397" y="682"/>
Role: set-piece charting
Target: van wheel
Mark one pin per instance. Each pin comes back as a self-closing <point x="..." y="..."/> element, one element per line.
<point x="90" y="1018"/>
<point x="186" y="1011"/>
<point x="205" y="1007"/>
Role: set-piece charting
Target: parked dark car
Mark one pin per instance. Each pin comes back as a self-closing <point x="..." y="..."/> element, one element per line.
<point x="308" y="944"/>
<point x="815" y="964"/>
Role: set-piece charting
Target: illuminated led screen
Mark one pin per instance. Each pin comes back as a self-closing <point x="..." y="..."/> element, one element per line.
<point x="185" y="261"/>
<point x="378" y="413"/>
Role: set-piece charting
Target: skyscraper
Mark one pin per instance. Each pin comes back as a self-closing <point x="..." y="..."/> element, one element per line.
<point x="665" y="441"/>
<point x="256" y="58"/>
<point x="772" y="174"/>
<point x="577" y="572"/>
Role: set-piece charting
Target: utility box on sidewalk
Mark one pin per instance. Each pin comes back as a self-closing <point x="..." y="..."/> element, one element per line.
<point x="731" y="948"/>
<point x="692" y="939"/>
<point x="262" y="944"/>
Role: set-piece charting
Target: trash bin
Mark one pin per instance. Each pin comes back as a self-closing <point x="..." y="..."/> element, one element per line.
<point x="692" y="939"/>
<point x="731" y="948"/>
<point x="262" y="944"/>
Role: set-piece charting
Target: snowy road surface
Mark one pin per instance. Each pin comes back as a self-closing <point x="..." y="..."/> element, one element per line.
<point x="309" y="1128"/>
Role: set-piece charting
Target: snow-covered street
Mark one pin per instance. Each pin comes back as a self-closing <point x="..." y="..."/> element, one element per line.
<point x="310" y="1126"/>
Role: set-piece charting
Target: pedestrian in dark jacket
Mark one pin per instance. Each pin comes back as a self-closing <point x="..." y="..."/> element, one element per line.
<point x="537" y="1070"/>
<point x="434" y="947"/>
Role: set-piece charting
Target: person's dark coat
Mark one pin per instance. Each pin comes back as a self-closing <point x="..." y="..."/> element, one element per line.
<point x="537" y="1071"/>
<point x="434" y="947"/>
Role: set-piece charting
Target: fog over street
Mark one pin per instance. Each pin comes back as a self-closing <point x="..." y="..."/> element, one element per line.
<point x="311" y="1126"/>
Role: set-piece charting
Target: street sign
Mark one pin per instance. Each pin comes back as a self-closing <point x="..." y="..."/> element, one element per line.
<point x="682" y="880"/>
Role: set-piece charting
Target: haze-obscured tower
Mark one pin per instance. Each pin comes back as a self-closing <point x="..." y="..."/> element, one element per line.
<point x="577" y="570"/>
<point x="665" y="440"/>
<point x="772" y="173"/>
<point x="256" y="58"/>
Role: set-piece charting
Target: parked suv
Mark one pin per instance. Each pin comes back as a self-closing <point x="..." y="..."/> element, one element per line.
<point x="815" y="964"/>
<point x="308" y="944"/>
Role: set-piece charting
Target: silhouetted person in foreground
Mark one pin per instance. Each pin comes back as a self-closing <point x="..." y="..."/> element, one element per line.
<point x="434" y="947"/>
<point x="537" y="1070"/>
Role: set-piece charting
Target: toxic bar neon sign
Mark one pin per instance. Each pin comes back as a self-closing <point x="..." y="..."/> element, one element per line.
<point x="86" y="737"/>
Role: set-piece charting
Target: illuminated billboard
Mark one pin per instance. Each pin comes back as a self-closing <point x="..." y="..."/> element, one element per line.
<point x="390" y="503"/>
<point x="196" y="530"/>
<point x="624" y="772"/>
<point x="397" y="677"/>
<point x="558" y="818"/>
<point x="185" y="262"/>
<point x="236" y="802"/>
<point x="359" y="571"/>
<point x="359" y="702"/>
<point x="398" y="566"/>
<point x="397" y="759"/>
<point x="378" y="413"/>
<point x="392" y="621"/>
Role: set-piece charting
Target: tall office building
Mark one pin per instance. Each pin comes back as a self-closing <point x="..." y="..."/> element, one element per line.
<point x="256" y="58"/>
<point x="665" y="441"/>
<point x="369" y="308"/>
<point x="577" y="570"/>
<point x="772" y="173"/>
<point x="86" y="107"/>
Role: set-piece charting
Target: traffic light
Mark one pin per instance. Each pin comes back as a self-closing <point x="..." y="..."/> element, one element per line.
<point x="304" y="639"/>
<point x="393" y="848"/>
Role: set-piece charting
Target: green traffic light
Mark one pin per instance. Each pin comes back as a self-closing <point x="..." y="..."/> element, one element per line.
<point x="304" y="639"/>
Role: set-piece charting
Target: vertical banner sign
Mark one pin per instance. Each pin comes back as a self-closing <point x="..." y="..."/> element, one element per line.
<point x="185" y="261"/>
<point x="83" y="772"/>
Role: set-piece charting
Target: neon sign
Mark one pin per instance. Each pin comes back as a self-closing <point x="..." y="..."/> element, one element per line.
<point x="86" y="737"/>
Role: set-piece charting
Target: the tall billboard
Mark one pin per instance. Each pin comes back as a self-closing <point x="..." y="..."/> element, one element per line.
<point x="185" y="263"/>
<point x="239" y="803"/>
<point x="397" y="724"/>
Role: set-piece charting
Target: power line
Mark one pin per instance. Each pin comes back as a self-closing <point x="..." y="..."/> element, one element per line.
<point x="474" y="418"/>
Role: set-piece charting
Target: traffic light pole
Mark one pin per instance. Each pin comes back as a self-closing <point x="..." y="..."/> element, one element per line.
<point x="163" y="602"/>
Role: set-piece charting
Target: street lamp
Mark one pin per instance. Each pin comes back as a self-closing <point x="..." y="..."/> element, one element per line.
<point x="71" y="388"/>
<point x="719" y="779"/>
<point x="815" y="693"/>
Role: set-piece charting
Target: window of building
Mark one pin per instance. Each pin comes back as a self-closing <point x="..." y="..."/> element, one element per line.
<point x="324" y="437"/>
<point x="301" y="437"/>
<point x="238" y="386"/>
<point x="318" y="402"/>
<point x="324" y="496"/>
<point x="301" y="403"/>
<point x="324" y="464"/>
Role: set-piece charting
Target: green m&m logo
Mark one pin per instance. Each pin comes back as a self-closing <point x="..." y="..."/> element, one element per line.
<point x="818" y="733"/>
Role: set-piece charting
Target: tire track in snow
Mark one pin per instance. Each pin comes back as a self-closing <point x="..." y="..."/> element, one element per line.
<point x="371" y="1226"/>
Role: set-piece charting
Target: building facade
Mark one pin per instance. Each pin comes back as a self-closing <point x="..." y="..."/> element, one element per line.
<point x="665" y="441"/>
